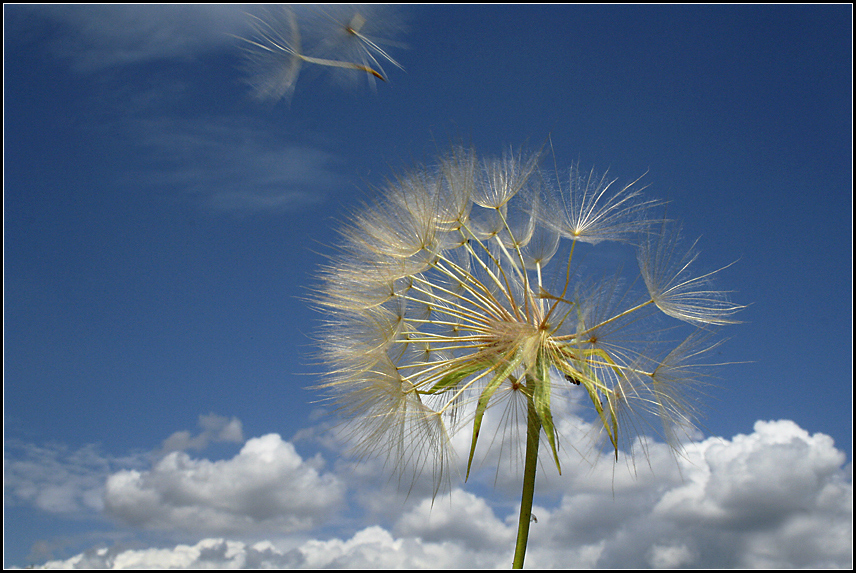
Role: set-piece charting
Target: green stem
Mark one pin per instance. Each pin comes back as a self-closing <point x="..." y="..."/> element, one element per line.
<point x="533" y="434"/>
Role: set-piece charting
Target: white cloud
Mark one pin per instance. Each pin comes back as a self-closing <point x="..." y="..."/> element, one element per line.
<point x="757" y="479"/>
<point x="94" y="37"/>
<point x="776" y="497"/>
<point x="57" y="479"/>
<point x="462" y="517"/>
<point x="780" y="495"/>
<point x="267" y="486"/>
<point x="372" y="547"/>
<point x="222" y="164"/>
<point x="670" y="556"/>
<point x="214" y="429"/>
<point x="228" y="165"/>
<point x="208" y="552"/>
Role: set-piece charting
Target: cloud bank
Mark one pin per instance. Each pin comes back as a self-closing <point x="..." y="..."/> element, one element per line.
<point x="775" y="497"/>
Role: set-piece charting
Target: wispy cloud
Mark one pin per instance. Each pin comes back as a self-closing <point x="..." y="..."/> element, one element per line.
<point x="775" y="497"/>
<point x="231" y="165"/>
<point x="56" y="479"/>
<point x="96" y="37"/>
<point x="214" y="429"/>
<point x="227" y="162"/>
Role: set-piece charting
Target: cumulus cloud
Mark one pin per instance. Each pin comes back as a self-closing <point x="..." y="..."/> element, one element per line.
<point x="775" y="497"/>
<point x="462" y="517"/>
<point x="62" y="480"/>
<point x="267" y="486"/>
<point x="780" y="495"/>
<point x="736" y="503"/>
<point x="755" y="480"/>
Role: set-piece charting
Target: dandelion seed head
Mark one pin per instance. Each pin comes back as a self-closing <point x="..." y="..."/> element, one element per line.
<point x="452" y="295"/>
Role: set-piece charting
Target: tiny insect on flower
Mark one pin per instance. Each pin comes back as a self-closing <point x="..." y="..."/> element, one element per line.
<point x="572" y="379"/>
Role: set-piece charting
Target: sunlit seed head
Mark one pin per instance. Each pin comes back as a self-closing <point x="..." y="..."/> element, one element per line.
<point x="542" y="245"/>
<point x="456" y="290"/>
<point x="402" y="227"/>
<point x="339" y="40"/>
<point x="669" y="392"/>
<point x="483" y="223"/>
<point x="502" y="179"/>
<point x="455" y="189"/>
<point x="273" y="53"/>
<point x="592" y="208"/>
<point x="673" y="286"/>
<point x="364" y="35"/>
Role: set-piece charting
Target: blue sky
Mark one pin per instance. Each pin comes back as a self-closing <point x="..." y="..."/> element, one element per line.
<point x="162" y="226"/>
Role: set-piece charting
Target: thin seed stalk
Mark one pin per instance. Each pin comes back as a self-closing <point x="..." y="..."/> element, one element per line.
<point x="533" y="434"/>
